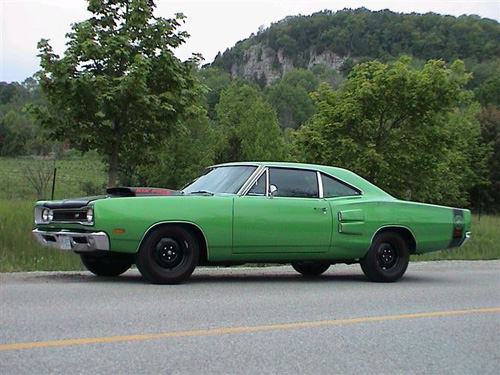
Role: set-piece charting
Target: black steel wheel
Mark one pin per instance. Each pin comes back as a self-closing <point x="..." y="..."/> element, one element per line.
<point x="107" y="263"/>
<point x="310" y="267"/>
<point x="168" y="255"/>
<point x="387" y="258"/>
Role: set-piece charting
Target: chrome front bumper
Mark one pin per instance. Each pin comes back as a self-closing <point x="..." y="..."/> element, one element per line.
<point x="73" y="241"/>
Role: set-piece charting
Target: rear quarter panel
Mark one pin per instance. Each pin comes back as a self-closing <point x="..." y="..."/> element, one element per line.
<point x="359" y="219"/>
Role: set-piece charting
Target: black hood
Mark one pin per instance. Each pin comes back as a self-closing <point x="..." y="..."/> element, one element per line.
<point x="111" y="193"/>
<point x="73" y="202"/>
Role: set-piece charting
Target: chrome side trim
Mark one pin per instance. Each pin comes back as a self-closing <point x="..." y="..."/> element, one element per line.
<point x="264" y="167"/>
<point x="251" y="180"/>
<point x="72" y="241"/>
<point x="310" y="167"/>
<point x="320" y="185"/>
<point x="268" y="182"/>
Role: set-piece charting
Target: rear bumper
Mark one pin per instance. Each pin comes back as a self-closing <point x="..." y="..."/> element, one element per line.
<point x="73" y="241"/>
<point x="466" y="238"/>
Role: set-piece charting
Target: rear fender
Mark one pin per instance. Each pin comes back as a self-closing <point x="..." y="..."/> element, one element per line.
<point x="403" y="231"/>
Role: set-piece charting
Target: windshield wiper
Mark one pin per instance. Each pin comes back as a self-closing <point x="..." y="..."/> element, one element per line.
<point x="205" y="192"/>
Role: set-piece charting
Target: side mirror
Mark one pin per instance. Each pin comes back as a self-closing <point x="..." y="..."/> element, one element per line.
<point x="272" y="190"/>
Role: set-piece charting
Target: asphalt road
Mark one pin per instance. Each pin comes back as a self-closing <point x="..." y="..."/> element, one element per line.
<point x="441" y="318"/>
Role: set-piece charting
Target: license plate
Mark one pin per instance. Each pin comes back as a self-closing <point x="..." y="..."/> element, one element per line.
<point x="65" y="242"/>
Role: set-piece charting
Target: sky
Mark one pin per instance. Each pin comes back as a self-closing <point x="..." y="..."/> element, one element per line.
<point x="214" y="26"/>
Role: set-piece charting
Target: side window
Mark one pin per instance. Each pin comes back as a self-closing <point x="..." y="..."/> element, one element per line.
<point x="259" y="189"/>
<point x="294" y="182"/>
<point x="335" y="188"/>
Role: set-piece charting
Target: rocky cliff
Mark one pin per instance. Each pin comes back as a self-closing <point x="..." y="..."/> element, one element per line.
<point x="264" y="64"/>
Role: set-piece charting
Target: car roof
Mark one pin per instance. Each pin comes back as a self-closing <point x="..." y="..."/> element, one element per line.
<point x="340" y="173"/>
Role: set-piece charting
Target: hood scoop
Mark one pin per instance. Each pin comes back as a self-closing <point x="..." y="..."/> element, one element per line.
<point x="120" y="191"/>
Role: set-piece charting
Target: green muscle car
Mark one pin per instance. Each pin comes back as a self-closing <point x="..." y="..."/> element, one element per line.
<point x="311" y="216"/>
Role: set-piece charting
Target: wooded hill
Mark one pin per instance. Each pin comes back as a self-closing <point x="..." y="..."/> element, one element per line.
<point x="340" y="39"/>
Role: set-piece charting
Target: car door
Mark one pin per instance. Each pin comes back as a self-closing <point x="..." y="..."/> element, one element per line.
<point x="291" y="219"/>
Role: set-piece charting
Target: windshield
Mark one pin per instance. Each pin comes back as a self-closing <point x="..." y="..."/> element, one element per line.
<point x="221" y="180"/>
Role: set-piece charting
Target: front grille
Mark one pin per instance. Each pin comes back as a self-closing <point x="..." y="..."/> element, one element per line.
<point x="73" y="215"/>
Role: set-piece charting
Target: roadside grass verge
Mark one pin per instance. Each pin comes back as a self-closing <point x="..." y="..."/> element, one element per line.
<point x="19" y="251"/>
<point x="76" y="175"/>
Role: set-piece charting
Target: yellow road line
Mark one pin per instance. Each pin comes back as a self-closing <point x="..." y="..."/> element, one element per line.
<point x="226" y="330"/>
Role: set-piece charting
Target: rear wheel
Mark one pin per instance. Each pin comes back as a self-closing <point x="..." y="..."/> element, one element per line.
<point x="387" y="258"/>
<point x="310" y="268"/>
<point x="168" y="255"/>
<point x="107" y="263"/>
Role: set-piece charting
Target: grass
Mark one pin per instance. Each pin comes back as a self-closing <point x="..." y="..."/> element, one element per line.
<point x="19" y="251"/>
<point x="72" y="173"/>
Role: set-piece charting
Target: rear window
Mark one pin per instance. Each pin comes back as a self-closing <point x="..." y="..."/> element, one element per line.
<point x="335" y="188"/>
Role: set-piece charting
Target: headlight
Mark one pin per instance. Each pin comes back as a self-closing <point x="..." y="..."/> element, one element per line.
<point x="90" y="215"/>
<point x="47" y="215"/>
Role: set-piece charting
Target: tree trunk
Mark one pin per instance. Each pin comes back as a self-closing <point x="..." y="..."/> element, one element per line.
<point x="113" y="165"/>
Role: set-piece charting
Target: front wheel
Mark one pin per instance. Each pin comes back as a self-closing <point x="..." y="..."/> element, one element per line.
<point x="387" y="258"/>
<point x="310" y="268"/>
<point x="107" y="263"/>
<point x="168" y="255"/>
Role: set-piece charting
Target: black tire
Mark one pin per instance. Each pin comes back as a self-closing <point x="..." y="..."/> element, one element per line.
<point x="168" y="255"/>
<point x="107" y="263"/>
<point x="387" y="258"/>
<point x="310" y="268"/>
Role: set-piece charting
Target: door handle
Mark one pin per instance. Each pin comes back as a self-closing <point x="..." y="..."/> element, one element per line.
<point x="322" y="209"/>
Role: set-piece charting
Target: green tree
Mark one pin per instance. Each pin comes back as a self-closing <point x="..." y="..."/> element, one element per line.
<point x="216" y="80"/>
<point x="16" y="128"/>
<point x="412" y="132"/>
<point x="118" y="89"/>
<point x="486" y="197"/>
<point x="249" y="125"/>
<point x="486" y="82"/>
<point x="183" y="157"/>
<point x="290" y="97"/>
<point x="15" y="133"/>
<point x="332" y="77"/>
